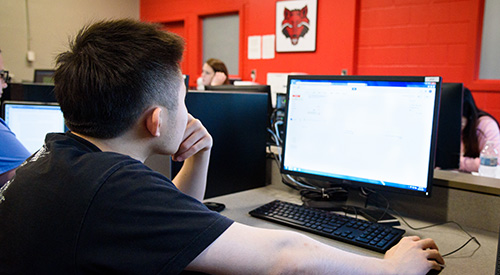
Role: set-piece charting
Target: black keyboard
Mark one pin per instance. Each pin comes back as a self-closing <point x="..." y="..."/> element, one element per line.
<point x="351" y="230"/>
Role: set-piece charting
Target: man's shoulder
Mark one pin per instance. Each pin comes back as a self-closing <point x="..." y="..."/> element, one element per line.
<point x="68" y="149"/>
<point x="64" y="160"/>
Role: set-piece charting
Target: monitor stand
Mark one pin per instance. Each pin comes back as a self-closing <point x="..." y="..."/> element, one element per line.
<point x="356" y="203"/>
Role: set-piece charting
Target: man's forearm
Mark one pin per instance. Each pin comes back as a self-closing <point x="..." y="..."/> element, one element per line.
<point x="192" y="178"/>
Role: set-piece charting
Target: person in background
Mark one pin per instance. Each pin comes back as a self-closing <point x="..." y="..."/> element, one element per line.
<point x="214" y="72"/>
<point x="86" y="203"/>
<point x="478" y="127"/>
<point x="12" y="152"/>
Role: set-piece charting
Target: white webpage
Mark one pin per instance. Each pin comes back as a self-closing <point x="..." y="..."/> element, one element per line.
<point x="31" y="123"/>
<point x="353" y="130"/>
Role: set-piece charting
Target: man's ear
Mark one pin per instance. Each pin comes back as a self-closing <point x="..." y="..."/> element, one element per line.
<point x="153" y="121"/>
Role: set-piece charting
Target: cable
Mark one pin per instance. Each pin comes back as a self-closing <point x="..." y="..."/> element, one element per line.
<point x="277" y="132"/>
<point x="369" y="192"/>
<point x="458" y="249"/>
<point x="443" y="223"/>
<point x="325" y="194"/>
<point x="274" y="136"/>
<point x="471" y="238"/>
<point x="287" y="179"/>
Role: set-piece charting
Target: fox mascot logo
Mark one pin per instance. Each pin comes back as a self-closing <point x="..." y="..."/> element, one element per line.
<point x="295" y="24"/>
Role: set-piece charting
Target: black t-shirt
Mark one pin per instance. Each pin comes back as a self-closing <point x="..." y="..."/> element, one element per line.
<point x="75" y="209"/>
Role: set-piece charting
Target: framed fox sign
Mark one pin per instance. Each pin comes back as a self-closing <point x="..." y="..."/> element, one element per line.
<point x="296" y="25"/>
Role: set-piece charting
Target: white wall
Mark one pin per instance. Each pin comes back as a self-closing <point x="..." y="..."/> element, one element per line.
<point x="51" y="23"/>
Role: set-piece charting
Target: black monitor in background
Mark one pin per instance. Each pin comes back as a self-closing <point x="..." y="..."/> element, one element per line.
<point x="362" y="132"/>
<point x="44" y="76"/>
<point x="186" y="81"/>
<point x="31" y="121"/>
<point x="450" y="126"/>
<point x="247" y="88"/>
<point x="39" y="92"/>
<point x="240" y="88"/>
<point x="237" y="122"/>
<point x="244" y="88"/>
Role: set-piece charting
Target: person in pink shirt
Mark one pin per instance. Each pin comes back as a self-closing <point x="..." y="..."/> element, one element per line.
<point x="478" y="127"/>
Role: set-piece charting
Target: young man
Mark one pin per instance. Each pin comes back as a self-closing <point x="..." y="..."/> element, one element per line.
<point x="12" y="152"/>
<point x="86" y="203"/>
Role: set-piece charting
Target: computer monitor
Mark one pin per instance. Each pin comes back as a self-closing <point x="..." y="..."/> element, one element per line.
<point x="31" y="121"/>
<point x="371" y="132"/>
<point x="244" y="88"/>
<point x="44" y="76"/>
<point x="450" y="126"/>
<point x="186" y="81"/>
<point x="247" y="88"/>
<point x="237" y="122"/>
<point x="41" y="92"/>
<point x="240" y="88"/>
<point x="37" y="92"/>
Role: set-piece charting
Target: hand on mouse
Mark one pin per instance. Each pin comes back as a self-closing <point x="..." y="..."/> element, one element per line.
<point x="415" y="255"/>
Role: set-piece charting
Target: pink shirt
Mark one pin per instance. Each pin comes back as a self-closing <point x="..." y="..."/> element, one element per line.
<point x="487" y="129"/>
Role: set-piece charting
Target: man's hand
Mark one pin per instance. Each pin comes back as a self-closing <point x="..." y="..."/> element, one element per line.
<point x="195" y="152"/>
<point x="196" y="139"/>
<point x="415" y="255"/>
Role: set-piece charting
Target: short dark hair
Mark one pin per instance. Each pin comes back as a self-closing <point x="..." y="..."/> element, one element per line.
<point x="113" y="72"/>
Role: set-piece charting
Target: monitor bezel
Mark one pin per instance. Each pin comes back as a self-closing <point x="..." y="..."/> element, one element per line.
<point x="350" y="184"/>
<point x="258" y="88"/>
<point x="450" y="126"/>
<point x="26" y="103"/>
<point x="39" y="74"/>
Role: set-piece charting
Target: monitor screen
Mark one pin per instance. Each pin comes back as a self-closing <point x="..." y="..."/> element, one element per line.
<point x="31" y="121"/>
<point x="362" y="131"/>
<point x="450" y="126"/>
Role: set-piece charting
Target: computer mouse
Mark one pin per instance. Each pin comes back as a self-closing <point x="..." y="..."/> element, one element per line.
<point x="435" y="272"/>
<point x="214" y="206"/>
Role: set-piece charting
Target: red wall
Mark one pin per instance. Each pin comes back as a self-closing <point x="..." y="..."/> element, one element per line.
<point x="373" y="37"/>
